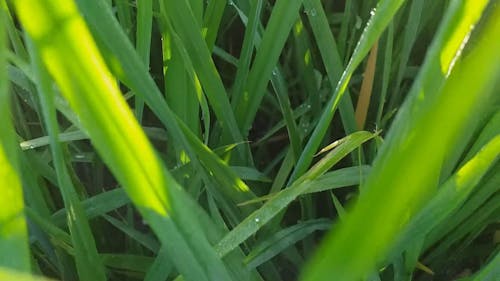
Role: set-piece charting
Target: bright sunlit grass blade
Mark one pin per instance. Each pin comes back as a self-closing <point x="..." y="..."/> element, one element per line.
<point x="138" y="79"/>
<point x="416" y="142"/>
<point x="14" y="251"/>
<point x="9" y="274"/>
<point x="108" y="119"/>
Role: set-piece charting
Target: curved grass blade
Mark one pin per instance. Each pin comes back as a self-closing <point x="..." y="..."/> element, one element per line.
<point x="108" y="119"/>
<point x="421" y="148"/>
<point x="14" y="251"/>
<point x="259" y="218"/>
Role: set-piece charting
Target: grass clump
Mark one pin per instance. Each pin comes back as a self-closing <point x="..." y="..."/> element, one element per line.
<point x="249" y="140"/>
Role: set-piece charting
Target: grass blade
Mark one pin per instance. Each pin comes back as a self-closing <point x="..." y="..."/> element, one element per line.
<point x="284" y="14"/>
<point x="107" y="119"/>
<point x="86" y="256"/>
<point x="280" y="201"/>
<point x="406" y="151"/>
<point x="378" y="22"/>
<point x="14" y="251"/>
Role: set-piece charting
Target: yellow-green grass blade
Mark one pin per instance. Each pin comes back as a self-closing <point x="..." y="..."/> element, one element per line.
<point x="86" y="256"/>
<point x="451" y="195"/>
<point x="280" y="201"/>
<point x="137" y="78"/>
<point x="283" y="16"/>
<point x="416" y="142"/>
<point x="59" y="32"/>
<point x="378" y="22"/>
<point x="9" y="274"/>
<point x="14" y="251"/>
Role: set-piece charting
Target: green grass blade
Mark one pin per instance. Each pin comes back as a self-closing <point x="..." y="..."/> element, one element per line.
<point x="405" y="151"/>
<point x="182" y="19"/>
<point x="249" y="42"/>
<point x="96" y="205"/>
<point x="107" y="119"/>
<point x="14" y="251"/>
<point x="340" y="178"/>
<point x="143" y="43"/>
<point x="161" y="267"/>
<point x="280" y="24"/>
<point x="280" y="201"/>
<point x="331" y="59"/>
<point x="86" y="256"/>
<point x="278" y="242"/>
<point x="211" y="21"/>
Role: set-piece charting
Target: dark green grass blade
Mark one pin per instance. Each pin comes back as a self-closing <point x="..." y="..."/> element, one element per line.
<point x="490" y="272"/>
<point x="282" y="19"/>
<point x="14" y="251"/>
<point x="331" y="59"/>
<point x="86" y="256"/>
<point x="278" y="242"/>
<point x="451" y="195"/>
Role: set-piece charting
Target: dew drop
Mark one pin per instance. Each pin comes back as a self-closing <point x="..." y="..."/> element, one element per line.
<point x="79" y="156"/>
<point x="312" y="12"/>
<point x="372" y="12"/>
<point x="257" y="220"/>
<point x="31" y="146"/>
